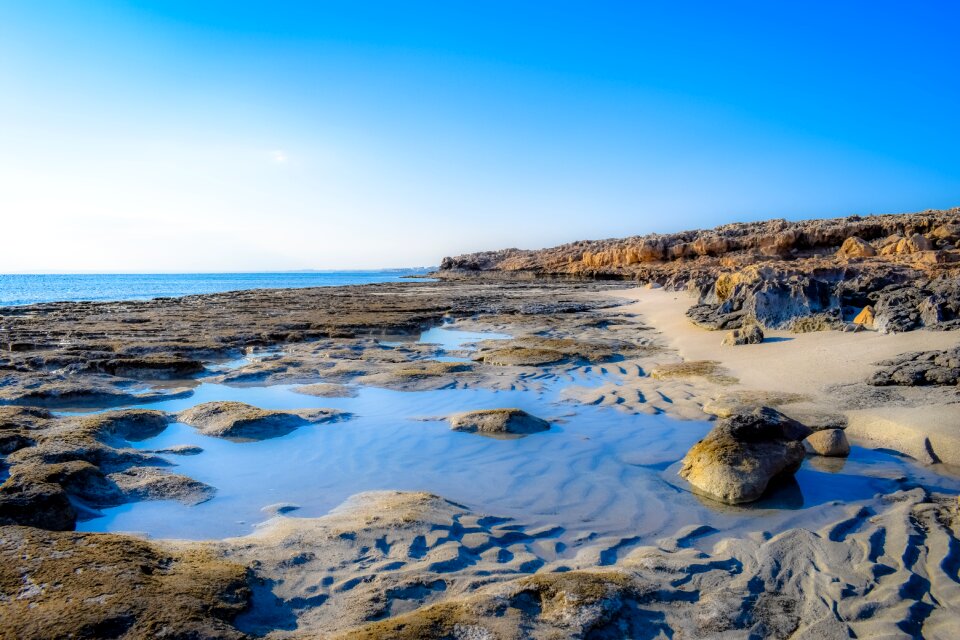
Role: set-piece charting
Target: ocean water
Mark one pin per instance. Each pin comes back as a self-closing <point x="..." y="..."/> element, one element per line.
<point x="19" y="289"/>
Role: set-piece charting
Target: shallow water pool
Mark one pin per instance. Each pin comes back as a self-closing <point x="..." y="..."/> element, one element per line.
<point x="599" y="473"/>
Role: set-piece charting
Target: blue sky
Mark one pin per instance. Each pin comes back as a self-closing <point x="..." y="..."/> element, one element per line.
<point x="219" y="136"/>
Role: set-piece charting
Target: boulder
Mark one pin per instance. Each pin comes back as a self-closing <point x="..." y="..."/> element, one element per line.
<point x="910" y="244"/>
<point x="854" y="247"/>
<point x="740" y="457"/>
<point x="241" y="421"/>
<point x="828" y="442"/>
<point x="865" y="318"/>
<point x="498" y="422"/>
<point x="751" y="334"/>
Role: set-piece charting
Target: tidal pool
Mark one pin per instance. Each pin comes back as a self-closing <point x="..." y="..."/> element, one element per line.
<point x="598" y="474"/>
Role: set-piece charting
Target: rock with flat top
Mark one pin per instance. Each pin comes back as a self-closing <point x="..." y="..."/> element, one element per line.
<point x="241" y="421"/>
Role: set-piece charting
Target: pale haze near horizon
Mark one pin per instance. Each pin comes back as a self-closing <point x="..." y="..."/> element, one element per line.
<point x="236" y="137"/>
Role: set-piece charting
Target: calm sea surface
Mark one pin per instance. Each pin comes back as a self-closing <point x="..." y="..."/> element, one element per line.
<point x="30" y="289"/>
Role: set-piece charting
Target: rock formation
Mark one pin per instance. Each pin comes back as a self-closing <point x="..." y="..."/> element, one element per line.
<point x="919" y="368"/>
<point x="62" y="465"/>
<point x="776" y="272"/>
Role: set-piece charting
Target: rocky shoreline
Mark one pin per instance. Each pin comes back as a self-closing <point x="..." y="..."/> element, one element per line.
<point x="804" y="276"/>
<point x="404" y="564"/>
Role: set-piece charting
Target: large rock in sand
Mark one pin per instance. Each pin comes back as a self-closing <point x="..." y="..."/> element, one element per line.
<point x="498" y="422"/>
<point x="743" y="453"/>
<point x="241" y="421"/>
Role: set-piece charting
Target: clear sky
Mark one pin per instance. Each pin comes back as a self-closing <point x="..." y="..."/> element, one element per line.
<point x="232" y="135"/>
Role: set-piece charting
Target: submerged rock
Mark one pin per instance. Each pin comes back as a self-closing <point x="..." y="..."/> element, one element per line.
<point x="828" y="442"/>
<point x="751" y="334"/>
<point x="492" y="422"/>
<point x="279" y="508"/>
<point x="241" y="421"/>
<point x="743" y="453"/>
<point x="327" y="390"/>
<point x="180" y="450"/>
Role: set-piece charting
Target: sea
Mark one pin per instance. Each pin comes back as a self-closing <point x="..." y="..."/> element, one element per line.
<point x="22" y="289"/>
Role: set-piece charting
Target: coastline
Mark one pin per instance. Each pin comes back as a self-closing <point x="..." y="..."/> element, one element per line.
<point x="412" y="564"/>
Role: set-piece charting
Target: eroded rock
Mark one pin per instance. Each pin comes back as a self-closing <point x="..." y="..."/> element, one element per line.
<point x="498" y="422"/>
<point x="743" y="454"/>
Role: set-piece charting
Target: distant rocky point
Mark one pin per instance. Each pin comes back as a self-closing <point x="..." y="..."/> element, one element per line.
<point x="805" y="276"/>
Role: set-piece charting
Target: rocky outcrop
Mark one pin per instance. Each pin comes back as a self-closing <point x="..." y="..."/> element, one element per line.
<point x="776" y="273"/>
<point x="498" y="422"/>
<point x="919" y="368"/>
<point x="740" y="457"/>
<point x="243" y="422"/>
<point x="768" y="239"/>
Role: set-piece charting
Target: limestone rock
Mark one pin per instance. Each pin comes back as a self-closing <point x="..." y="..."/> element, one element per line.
<point x="751" y="334"/>
<point x="776" y="272"/>
<point x="913" y="244"/>
<point x="828" y="442"/>
<point x="493" y="422"/>
<point x="854" y="247"/>
<point x="743" y="454"/>
<point x="865" y="318"/>
<point x="243" y="422"/>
